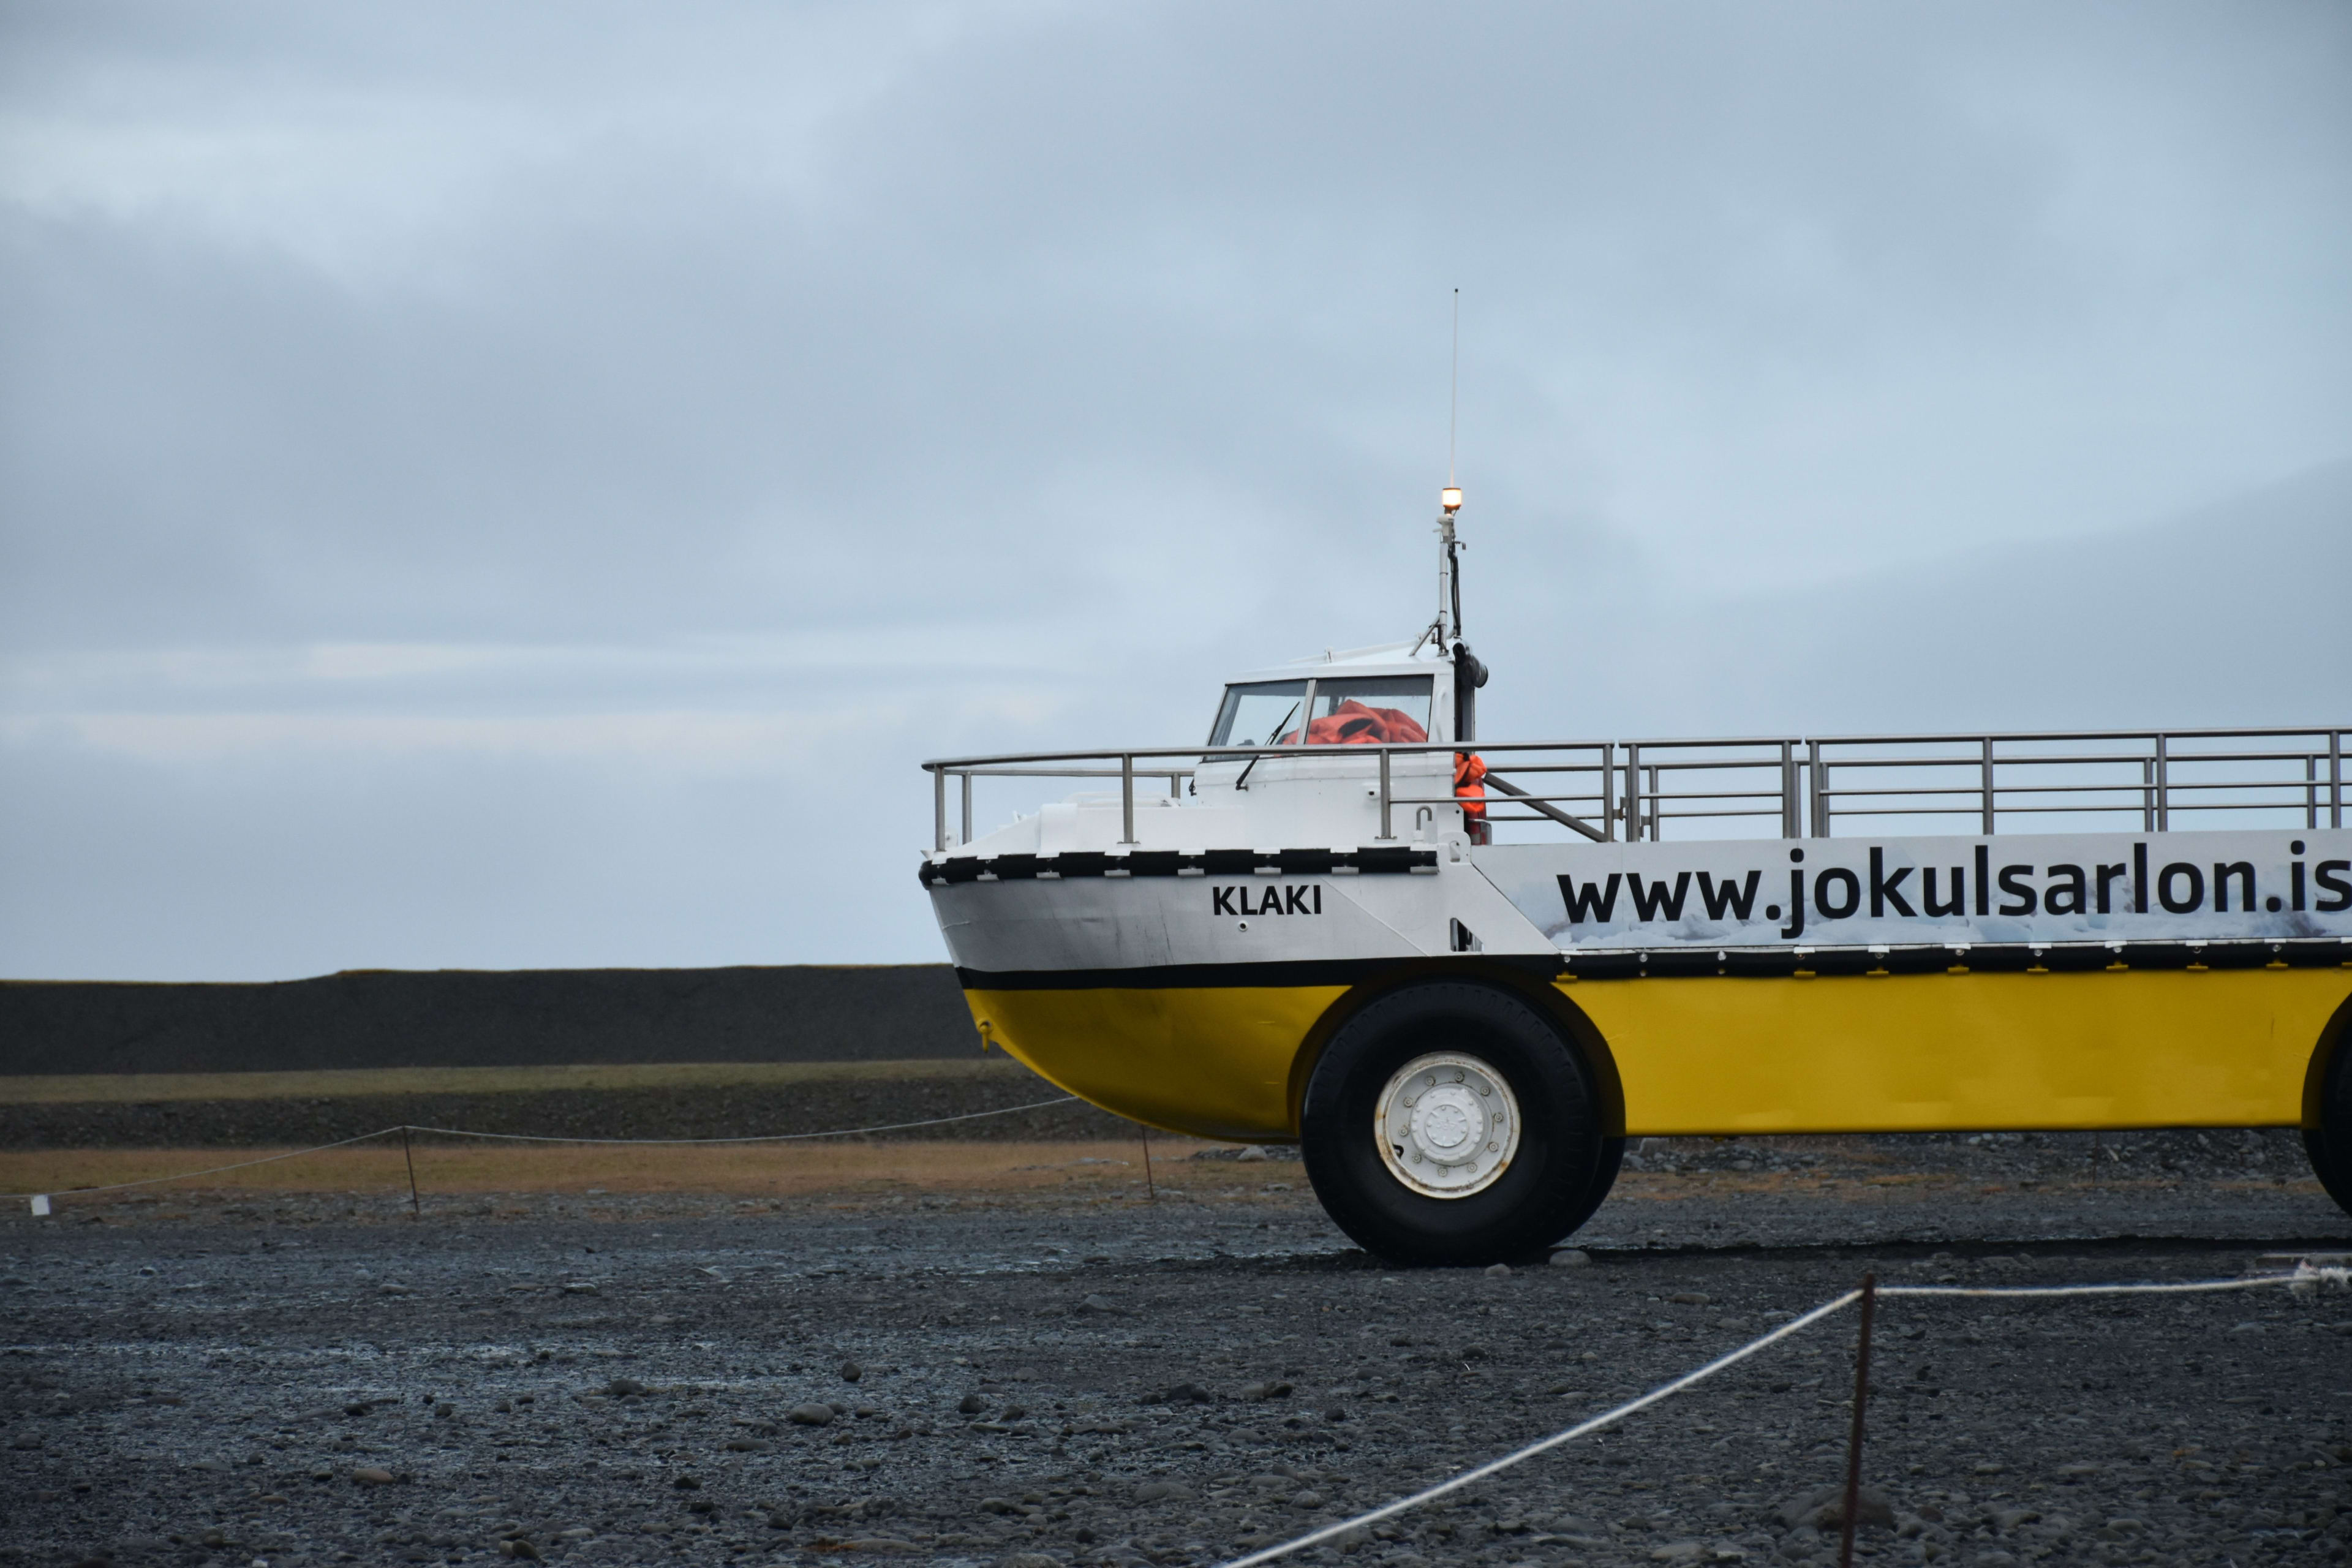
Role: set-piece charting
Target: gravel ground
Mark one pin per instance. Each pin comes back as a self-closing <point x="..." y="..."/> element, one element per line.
<point x="1025" y="1380"/>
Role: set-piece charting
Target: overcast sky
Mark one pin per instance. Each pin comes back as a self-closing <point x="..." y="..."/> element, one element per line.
<point x="523" y="485"/>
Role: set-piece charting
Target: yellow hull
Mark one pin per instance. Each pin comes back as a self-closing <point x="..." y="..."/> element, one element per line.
<point x="1213" y="1062"/>
<point x="1893" y="1053"/>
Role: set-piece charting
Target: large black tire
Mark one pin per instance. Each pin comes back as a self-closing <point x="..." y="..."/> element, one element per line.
<point x="2330" y="1144"/>
<point x="1561" y="1172"/>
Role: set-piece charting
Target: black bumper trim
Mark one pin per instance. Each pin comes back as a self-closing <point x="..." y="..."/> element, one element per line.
<point x="1931" y="958"/>
<point x="1663" y="963"/>
<point x="1372" y="860"/>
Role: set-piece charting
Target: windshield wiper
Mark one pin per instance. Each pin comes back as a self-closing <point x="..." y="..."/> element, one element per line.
<point x="1242" y="782"/>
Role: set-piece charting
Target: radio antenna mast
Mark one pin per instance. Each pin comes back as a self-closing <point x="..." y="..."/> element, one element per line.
<point x="1454" y="392"/>
<point x="1448" y="627"/>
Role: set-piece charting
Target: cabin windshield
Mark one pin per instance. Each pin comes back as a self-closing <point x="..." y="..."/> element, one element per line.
<point x="1256" y="714"/>
<point x="1359" y="710"/>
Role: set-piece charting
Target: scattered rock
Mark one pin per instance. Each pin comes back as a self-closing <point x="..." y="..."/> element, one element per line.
<point x="626" y="1387"/>
<point x="389" y="1288"/>
<point x="1498" y="1270"/>
<point x="851" y="1372"/>
<point x="1824" y="1509"/>
<point x="1690" y="1298"/>
<point x="1164" y="1491"/>
<point x="1029" y="1560"/>
<point x="1571" y="1258"/>
<point x="1186" y="1394"/>
<point x="686" y="1484"/>
<point x="1265" y="1391"/>
<point x="810" y="1415"/>
<point x="1574" y="1524"/>
<point x="369" y="1475"/>
<point x="1099" y="1304"/>
<point x="972" y="1404"/>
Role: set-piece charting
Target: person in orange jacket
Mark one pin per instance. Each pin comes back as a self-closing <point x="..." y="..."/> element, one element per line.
<point x="1469" y="769"/>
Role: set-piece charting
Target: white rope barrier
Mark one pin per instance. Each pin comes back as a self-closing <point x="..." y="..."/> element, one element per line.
<point x="752" y="1137"/>
<point x="2306" y="1276"/>
<point x="40" y="1201"/>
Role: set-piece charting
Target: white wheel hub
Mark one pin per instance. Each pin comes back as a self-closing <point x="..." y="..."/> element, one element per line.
<point x="1447" y="1125"/>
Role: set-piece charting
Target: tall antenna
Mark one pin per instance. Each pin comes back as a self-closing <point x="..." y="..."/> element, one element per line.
<point x="1454" y="392"/>
<point x="1448" y="624"/>
<point x="1469" y="674"/>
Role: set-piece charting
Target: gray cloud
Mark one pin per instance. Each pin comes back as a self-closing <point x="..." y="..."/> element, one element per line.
<point x="580" y="448"/>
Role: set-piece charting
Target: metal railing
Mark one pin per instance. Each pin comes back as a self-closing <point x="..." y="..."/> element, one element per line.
<point x="2149" y="780"/>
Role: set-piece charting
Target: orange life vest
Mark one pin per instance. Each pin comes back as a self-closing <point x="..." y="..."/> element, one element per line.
<point x="1353" y="724"/>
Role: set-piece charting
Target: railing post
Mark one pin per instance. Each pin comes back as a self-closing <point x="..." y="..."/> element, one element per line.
<point x="1817" y="776"/>
<point x="1608" y="789"/>
<point x="938" y="808"/>
<point x="1633" y="793"/>
<point x="2146" y="796"/>
<point x="1653" y="794"/>
<point x="1127" y="797"/>
<point x="2335" y="778"/>
<point x="1988" y="786"/>
<point x="965" y="778"/>
<point x="2311" y="792"/>
<point x="1385" y="833"/>
<point x="1788" y="790"/>
<point x="2163" y="782"/>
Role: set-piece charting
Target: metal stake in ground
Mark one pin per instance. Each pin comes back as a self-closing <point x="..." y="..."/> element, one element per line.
<point x="1151" y="1192"/>
<point x="1853" y="1442"/>
<point x="416" y="1211"/>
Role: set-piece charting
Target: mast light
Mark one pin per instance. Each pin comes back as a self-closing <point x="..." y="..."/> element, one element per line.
<point x="1450" y="499"/>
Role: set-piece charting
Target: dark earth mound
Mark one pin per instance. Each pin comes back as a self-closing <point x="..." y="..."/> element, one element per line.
<point x="386" y="1018"/>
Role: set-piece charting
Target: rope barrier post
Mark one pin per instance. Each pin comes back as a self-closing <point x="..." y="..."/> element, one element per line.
<point x="1151" y="1190"/>
<point x="416" y="1209"/>
<point x="1853" y="1442"/>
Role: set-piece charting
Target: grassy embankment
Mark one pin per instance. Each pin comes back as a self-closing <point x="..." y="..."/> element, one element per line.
<point x="876" y="1092"/>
